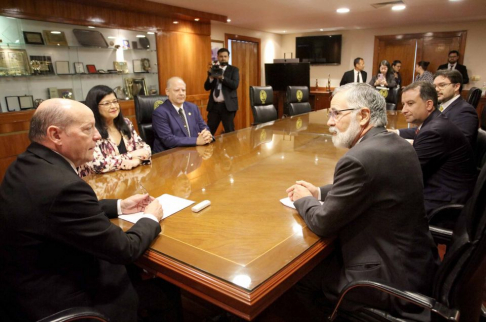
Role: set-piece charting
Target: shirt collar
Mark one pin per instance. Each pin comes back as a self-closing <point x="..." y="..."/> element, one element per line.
<point x="449" y="102"/>
<point x="69" y="161"/>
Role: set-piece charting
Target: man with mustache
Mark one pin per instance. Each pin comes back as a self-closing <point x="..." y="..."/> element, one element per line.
<point x="374" y="207"/>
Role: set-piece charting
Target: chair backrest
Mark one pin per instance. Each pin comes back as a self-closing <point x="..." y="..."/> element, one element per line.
<point x="144" y="108"/>
<point x="480" y="149"/>
<point x="460" y="279"/>
<point x="261" y="100"/>
<point x="483" y="119"/>
<point x="298" y="100"/>
<point x="391" y="107"/>
<point x="76" y="314"/>
<point x="474" y="96"/>
<point x="393" y="95"/>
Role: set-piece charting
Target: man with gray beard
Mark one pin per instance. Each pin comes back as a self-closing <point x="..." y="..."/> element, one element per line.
<point x="374" y="207"/>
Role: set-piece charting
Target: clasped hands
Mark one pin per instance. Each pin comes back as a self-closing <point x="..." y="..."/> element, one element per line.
<point x="204" y="137"/>
<point x="137" y="157"/>
<point x="302" y="189"/>
<point x="139" y="203"/>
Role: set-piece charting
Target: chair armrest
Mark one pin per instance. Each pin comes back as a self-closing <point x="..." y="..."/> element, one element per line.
<point x="442" y="222"/>
<point x="75" y="313"/>
<point x="414" y="298"/>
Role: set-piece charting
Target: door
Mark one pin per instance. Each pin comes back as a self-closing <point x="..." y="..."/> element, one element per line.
<point x="398" y="49"/>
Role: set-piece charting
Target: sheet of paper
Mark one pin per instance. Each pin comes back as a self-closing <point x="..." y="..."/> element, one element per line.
<point x="170" y="205"/>
<point x="288" y="203"/>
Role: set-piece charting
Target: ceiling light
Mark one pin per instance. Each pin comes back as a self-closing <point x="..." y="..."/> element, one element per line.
<point x="111" y="37"/>
<point x="285" y="31"/>
<point x="91" y="27"/>
<point x="150" y="33"/>
<point x="196" y="19"/>
<point x="140" y="36"/>
<point x="321" y="29"/>
<point x="228" y="20"/>
<point x="342" y="10"/>
<point x="55" y="32"/>
<point x="176" y="22"/>
<point x="399" y="7"/>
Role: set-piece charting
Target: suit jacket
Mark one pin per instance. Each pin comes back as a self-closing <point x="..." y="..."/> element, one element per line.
<point x="229" y="86"/>
<point x="348" y="77"/>
<point x="376" y="210"/>
<point x="461" y="68"/>
<point x="169" y="128"/>
<point x="462" y="115"/>
<point x="447" y="162"/>
<point x="58" y="247"/>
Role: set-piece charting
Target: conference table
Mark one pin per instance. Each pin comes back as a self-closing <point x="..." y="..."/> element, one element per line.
<point x="246" y="249"/>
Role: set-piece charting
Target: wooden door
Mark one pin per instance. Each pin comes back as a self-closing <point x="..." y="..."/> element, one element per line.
<point x="436" y="50"/>
<point x="245" y="54"/>
<point x="398" y="49"/>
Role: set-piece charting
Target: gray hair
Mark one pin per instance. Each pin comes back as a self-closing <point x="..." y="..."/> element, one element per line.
<point x="53" y="114"/>
<point x="174" y="78"/>
<point x="359" y="95"/>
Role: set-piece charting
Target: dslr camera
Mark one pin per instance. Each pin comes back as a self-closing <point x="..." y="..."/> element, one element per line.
<point x="216" y="70"/>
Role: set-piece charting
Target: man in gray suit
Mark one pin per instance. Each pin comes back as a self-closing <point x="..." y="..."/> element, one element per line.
<point x="375" y="208"/>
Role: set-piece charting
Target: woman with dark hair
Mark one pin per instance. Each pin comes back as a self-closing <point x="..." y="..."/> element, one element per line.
<point x="385" y="77"/>
<point x="422" y="73"/>
<point x="396" y="66"/>
<point x="120" y="146"/>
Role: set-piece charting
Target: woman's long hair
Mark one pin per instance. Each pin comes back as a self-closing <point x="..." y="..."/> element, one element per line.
<point x="423" y="64"/>
<point x="93" y="99"/>
<point x="389" y="71"/>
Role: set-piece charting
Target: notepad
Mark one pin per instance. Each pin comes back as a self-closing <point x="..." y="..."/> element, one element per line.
<point x="170" y="205"/>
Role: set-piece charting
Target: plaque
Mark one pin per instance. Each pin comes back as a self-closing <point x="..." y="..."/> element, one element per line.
<point x="14" y="62"/>
<point x="55" y="38"/>
<point x="33" y="38"/>
<point x="121" y="67"/>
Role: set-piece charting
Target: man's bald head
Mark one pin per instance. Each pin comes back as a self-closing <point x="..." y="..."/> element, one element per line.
<point x="58" y="112"/>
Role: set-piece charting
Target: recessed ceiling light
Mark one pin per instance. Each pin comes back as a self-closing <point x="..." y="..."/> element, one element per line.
<point x="285" y="31"/>
<point x="176" y="22"/>
<point x="399" y="7"/>
<point x="321" y="29"/>
<point x="228" y="20"/>
<point x="196" y="19"/>
<point x="342" y="10"/>
<point x="150" y="33"/>
<point x="55" y="32"/>
<point x="140" y="36"/>
<point x="91" y="27"/>
<point x="454" y="0"/>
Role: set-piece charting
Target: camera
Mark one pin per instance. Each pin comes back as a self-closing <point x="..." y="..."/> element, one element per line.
<point x="216" y="70"/>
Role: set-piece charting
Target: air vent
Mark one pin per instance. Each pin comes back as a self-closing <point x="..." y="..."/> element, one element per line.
<point x="386" y="4"/>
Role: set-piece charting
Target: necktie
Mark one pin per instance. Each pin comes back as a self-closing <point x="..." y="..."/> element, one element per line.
<point x="452" y="67"/>
<point x="217" y="91"/>
<point x="357" y="78"/>
<point x="417" y="131"/>
<point x="441" y="108"/>
<point x="181" y="114"/>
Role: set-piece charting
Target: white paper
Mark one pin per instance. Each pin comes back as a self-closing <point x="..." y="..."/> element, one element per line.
<point x="170" y="205"/>
<point x="290" y="204"/>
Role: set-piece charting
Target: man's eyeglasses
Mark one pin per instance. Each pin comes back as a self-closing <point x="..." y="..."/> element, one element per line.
<point x="442" y="85"/>
<point x="107" y="104"/>
<point x="336" y="114"/>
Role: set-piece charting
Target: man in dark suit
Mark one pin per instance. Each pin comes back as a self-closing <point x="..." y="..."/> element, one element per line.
<point x="58" y="248"/>
<point x="374" y="207"/>
<point x="453" y="106"/>
<point x="356" y="75"/>
<point x="223" y="100"/>
<point x="177" y="122"/>
<point x="446" y="158"/>
<point x="453" y="64"/>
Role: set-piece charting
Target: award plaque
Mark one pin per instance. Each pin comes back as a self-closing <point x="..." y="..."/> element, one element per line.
<point x="14" y="62"/>
<point x="121" y="67"/>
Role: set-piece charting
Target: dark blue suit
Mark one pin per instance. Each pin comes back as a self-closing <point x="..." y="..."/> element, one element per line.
<point x="447" y="162"/>
<point x="169" y="128"/>
<point x="462" y="115"/>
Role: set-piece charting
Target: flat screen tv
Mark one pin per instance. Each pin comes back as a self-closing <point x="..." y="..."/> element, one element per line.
<point x="319" y="49"/>
<point x="281" y="75"/>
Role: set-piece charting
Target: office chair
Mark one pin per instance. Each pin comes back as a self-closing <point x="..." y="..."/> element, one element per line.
<point x="144" y="108"/>
<point x="261" y="100"/>
<point x="483" y="118"/>
<point x="76" y="314"/>
<point x="393" y="95"/>
<point x="391" y="107"/>
<point x="298" y="100"/>
<point x="474" y="96"/>
<point x="458" y="283"/>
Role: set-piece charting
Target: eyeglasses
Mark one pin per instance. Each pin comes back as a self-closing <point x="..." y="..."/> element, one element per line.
<point x="335" y="114"/>
<point x="107" y="104"/>
<point x="442" y="85"/>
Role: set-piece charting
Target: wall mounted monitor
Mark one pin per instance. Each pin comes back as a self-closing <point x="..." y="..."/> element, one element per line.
<point x="324" y="50"/>
<point x="90" y="38"/>
<point x="279" y="76"/>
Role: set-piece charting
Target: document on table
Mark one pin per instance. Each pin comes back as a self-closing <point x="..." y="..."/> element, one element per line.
<point x="170" y="205"/>
<point x="288" y="203"/>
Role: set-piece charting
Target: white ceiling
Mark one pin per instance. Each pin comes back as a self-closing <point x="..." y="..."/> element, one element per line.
<point x="295" y="16"/>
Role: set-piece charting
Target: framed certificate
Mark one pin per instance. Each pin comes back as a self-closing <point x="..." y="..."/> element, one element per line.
<point x="14" y="62"/>
<point x="79" y="68"/>
<point x="33" y="38"/>
<point x="55" y="38"/>
<point x="137" y="66"/>
<point x="62" y="67"/>
<point x="121" y="66"/>
<point x="13" y="103"/>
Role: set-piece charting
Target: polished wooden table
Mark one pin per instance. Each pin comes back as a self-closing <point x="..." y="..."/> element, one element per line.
<point x="246" y="249"/>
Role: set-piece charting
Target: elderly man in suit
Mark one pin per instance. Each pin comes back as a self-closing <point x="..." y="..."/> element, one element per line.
<point x="454" y="65"/>
<point x="58" y="248"/>
<point x="462" y="114"/>
<point x="177" y="122"/>
<point x="445" y="156"/>
<point x="356" y="75"/>
<point x="374" y="207"/>
<point x="223" y="99"/>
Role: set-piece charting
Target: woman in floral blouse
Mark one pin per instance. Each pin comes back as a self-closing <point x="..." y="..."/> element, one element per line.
<point x="120" y="146"/>
<point x="422" y="73"/>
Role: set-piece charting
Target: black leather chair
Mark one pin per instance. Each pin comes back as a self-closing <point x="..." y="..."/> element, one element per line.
<point x="76" y="314"/>
<point x="144" y="107"/>
<point x="480" y="149"/>
<point x="391" y="107"/>
<point x="261" y="100"/>
<point x="483" y="118"/>
<point x="458" y="284"/>
<point x="298" y="100"/>
<point x="474" y="96"/>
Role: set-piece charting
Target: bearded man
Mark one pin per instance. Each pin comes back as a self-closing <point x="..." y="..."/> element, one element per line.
<point x="374" y="207"/>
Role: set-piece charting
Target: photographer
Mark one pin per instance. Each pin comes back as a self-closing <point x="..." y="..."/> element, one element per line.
<point x="222" y="81"/>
